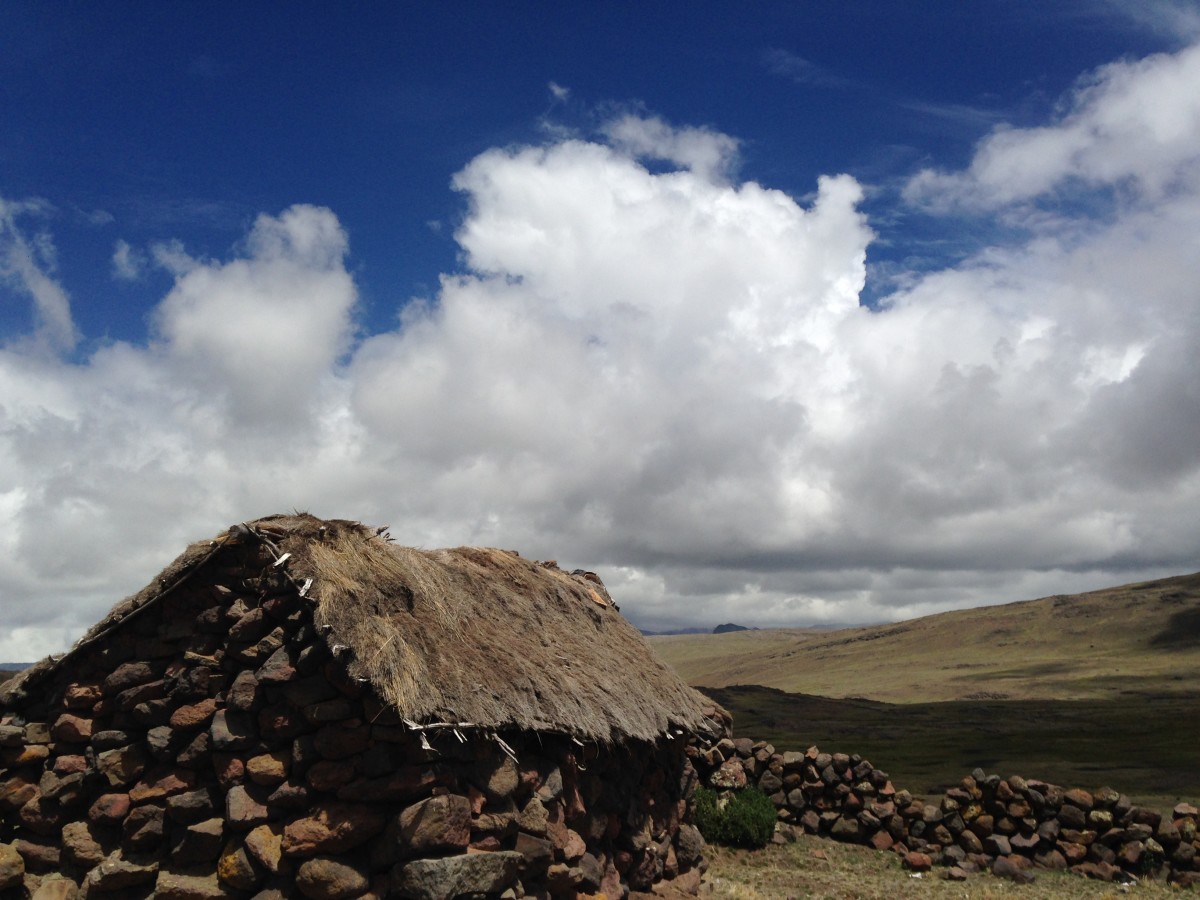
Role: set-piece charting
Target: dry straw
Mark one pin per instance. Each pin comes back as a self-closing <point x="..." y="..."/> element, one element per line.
<point x="467" y="636"/>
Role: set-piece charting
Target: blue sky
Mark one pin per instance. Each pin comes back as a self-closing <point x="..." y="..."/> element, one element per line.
<point x="785" y="314"/>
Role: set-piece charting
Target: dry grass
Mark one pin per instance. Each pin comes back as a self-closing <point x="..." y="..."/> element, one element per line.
<point x="818" y="868"/>
<point x="468" y="636"/>
<point x="1143" y="637"/>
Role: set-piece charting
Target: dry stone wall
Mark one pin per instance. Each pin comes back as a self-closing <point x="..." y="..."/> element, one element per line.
<point x="1006" y="825"/>
<point x="213" y="746"/>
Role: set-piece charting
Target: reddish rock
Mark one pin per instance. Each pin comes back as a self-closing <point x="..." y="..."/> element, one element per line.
<point x="195" y="715"/>
<point x="16" y="792"/>
<point x="1099" y="871"/>
<point x="63" y="765"/>
<point x="1013" y="868"/>
<point x="881" y="840"/>
<point x="72" y="729"/>
<point x="229" y="768"/>
<point x="162" y="783"/>
<point x="81" y="695"/>
<point x="109" y="809"/>
<point x="333" y="828"/>
<point x="917" y="862"/>
<point x="438" y="824"/>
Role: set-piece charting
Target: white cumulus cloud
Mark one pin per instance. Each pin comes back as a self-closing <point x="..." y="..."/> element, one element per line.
<point x="665" y="374"/>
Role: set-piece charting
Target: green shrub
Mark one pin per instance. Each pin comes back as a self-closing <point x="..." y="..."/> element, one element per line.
<point x="746" y="820"/>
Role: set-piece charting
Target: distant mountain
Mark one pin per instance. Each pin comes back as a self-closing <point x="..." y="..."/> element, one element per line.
<point x="647" y="633"/>
<point x="14" y="667"/>
<point x="728" y="627"/>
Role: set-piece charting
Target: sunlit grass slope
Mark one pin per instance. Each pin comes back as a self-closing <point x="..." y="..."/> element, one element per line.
<point x="1137" y="638"/>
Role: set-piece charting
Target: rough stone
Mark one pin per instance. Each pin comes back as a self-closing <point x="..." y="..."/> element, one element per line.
<point x="917" y="862"/>
<point x="731" y="775"/>
<point x="244" y="809"/>
<point x="80" y="846"/>
<point x="194" y="715"/>
<point x="192" y="806"/>
<point x="438" y="824"/>
<point x="128" y="675"/>
<point x="533" y="818"/>
<point x="342" y="739"/>
<point x="497" y="778"/>
<point x="406" y="783"/>
<point x="323" y="878"/>
<point x="201" y="842"/>
<point x="162" y="783"/>
<point x="143" y="828"/>
<point x="12" y="867"/>
<point x="176" y="886"/>
<point x="72" y="729"/>
<point x="268" y="768"/>
<point x="1012" y="868"/>
<point x="265" y="844"/>
<point x="244" y="694"/>
<point x="116" y="872"/>
<point x="231" y="730"/>
<point x="452" y="876"/>
<point x="236" y="869"/>
<point x="536" y="853"/>
<point x="332" y="828"/>
<point x="122" y="766"/>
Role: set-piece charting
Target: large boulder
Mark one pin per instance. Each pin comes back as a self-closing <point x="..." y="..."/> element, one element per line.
<point x="451" y="876"/>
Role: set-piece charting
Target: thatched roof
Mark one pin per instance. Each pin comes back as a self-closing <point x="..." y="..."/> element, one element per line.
<point x="475" y="636"/>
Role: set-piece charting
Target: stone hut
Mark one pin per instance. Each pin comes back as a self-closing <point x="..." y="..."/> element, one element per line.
<point x="303" y="708"/>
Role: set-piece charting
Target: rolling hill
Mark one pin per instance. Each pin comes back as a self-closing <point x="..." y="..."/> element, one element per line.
<point x="1134" y="639"/>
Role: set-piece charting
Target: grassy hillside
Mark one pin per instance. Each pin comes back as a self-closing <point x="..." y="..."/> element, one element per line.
<point x="1135" y="639"/>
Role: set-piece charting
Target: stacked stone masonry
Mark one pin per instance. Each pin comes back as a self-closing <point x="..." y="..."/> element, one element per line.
<point x="213" y="746"/>
<point x="1005" y="825"/>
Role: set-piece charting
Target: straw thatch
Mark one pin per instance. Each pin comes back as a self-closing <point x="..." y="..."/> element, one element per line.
<point x="468" y="636"/>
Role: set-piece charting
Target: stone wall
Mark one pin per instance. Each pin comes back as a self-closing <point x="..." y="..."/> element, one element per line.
<point x="1008" y="825"/>
<point x="212" y="746"/>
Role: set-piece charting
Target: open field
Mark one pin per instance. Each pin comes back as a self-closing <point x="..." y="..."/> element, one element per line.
<point x="1145" y="746"/>
<point x="825" y="870"/>
<point x="1138" y="639"/>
